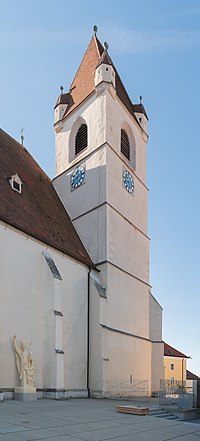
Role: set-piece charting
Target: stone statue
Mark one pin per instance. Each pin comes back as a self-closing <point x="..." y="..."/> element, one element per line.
<point x="24" y="362"/>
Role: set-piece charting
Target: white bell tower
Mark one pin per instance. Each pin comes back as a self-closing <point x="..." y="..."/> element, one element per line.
<point x="101" y="180"/>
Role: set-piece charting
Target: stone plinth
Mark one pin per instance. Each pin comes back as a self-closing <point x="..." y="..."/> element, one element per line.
<point x="25" y="394"/>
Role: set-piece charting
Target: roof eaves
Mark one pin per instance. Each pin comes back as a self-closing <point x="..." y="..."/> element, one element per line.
<point x="86" y="262"/>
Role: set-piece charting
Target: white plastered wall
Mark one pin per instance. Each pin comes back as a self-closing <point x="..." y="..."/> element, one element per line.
<point x="157" y="343"/>
<point x="27" y="310"/>
<point x="126" y="356"/>
<point x="113" y="226"/>
<point x="92" y="112"/>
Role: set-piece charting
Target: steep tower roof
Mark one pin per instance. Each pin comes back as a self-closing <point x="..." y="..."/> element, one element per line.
<point x="83" y="84"/>
<point x="37" y="211"/>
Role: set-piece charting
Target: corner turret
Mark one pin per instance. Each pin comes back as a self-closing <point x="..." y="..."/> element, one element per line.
<point x="141" y="115"/>
<point x="104" y="70"/>
<point x="60" y="109"/>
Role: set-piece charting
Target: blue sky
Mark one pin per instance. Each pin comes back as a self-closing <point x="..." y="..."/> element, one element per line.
<point x="155" y="46"/>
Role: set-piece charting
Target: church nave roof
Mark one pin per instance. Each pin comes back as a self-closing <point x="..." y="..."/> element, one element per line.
<point x="37" y="210"/>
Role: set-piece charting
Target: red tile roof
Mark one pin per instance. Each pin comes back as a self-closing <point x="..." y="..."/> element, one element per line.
<point x="38" y="211"/>
<point x="83" y="84"/>
<point x="105" y="59"/>
<point x="191" y="376"/>
<point x="172" y="352"/>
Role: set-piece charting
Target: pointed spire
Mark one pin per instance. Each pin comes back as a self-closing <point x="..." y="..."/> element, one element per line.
<point x="95" y="29"/>
<point x="22" y="135"/>
<point x="83" y="83"/>
<point x="106" y="46"/>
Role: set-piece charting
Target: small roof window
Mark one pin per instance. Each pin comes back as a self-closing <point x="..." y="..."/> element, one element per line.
<point x="16" y="183"/>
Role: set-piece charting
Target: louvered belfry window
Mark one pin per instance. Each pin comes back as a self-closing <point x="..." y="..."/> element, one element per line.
<point x="81" y="140"/>
<point x="125" y="144"/>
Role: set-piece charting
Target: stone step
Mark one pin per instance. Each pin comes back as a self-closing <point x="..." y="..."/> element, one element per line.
<point x="163" y="414"/>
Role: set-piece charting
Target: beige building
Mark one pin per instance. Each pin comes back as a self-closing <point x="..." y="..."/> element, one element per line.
<point x="74" y="255"/>
<point x="175" y="364"/>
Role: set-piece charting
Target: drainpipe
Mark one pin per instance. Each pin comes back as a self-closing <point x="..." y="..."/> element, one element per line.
<point x="88" y="334"/>
<point x="182" y="371"/>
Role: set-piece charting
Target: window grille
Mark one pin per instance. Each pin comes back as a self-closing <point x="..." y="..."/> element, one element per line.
<point x="81" y="140"/>
<point x="125" y="144"/>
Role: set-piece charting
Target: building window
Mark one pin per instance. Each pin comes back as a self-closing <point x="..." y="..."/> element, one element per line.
<point x="16" y="183"/>
<point x="81" y="140"/>
<point x="125" y="144"/>
<point x="172" y="380"/>
<point x="172" y="367"/>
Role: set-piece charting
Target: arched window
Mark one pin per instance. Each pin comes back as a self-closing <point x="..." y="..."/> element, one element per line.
<point x="81" y="140"/>
<point x="125" y="144"/>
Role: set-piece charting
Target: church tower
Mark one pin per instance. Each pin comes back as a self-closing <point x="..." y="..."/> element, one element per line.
<point x="101" y="139"/>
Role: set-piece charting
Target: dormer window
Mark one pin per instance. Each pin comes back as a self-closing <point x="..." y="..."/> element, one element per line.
<point x="125" y="144"/>
<point x="16" y="183"/>
<point x="81" y="140"/>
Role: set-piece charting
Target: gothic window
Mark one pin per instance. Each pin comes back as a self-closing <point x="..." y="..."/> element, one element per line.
<point x="125" y="144"/>
<point x="81" y="140"/>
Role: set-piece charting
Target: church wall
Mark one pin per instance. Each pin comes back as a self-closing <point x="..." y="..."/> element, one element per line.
<point x="96" y="356"/>
<point x="92" y="112"/>
<point x="127" y="360"/>
<point x="128" y="248"/>
<point x="155" y="327"/>
<point x="117" y="116"/>
<point x="155" y="321"/>
<point x="86" y="204"/>
<point x="157" y="366"/>
<point x="27" y="291"/>
<point x="127" y="304"/>
<point x="119" y="334"/>
<point x="92" y="228"/>
<point x="90" y="194"/>
<point x="133" y="207"/>
<point x="75" y="327"/>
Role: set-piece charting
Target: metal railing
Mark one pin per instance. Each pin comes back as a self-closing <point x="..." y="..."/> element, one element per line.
<point x="174" y="394"/>
<point x="123" y="389"/>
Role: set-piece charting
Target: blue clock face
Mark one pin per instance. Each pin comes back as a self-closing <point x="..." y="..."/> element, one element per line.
<point x="128" y="181"/>
<point x="77" y="177"/>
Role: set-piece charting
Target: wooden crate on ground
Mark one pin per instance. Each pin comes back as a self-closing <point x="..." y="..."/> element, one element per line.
<point x="134" y="410"/>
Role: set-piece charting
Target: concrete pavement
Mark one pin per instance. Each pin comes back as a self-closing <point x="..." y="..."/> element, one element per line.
<point x="86" y="420"/>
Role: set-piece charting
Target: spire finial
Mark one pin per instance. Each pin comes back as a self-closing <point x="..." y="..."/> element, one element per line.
<point x="106" y="46"/>
<point x="140" y="98"/>
<point x="22" y="136"/>
<point x="95" y="29"/>
<point x="61" y="89"/>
